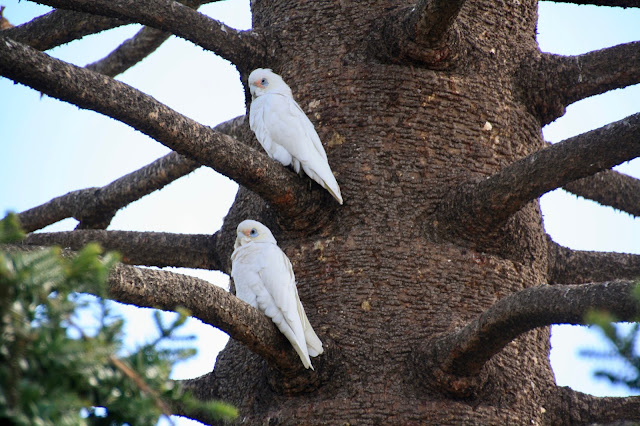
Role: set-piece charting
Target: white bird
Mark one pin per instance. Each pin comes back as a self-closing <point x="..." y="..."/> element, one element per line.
<point x="264" y="279"/>
<point x="285" y="132"/>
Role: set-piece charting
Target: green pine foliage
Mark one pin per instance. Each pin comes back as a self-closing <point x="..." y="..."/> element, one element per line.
<point x="624" y="349"/>
<point x="56" y="371"/>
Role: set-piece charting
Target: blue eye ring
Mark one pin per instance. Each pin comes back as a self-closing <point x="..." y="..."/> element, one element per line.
<point x="264" y="82"/>
<point x="253" y="232"/>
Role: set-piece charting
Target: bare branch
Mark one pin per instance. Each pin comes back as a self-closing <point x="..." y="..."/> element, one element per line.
<point x="580" y="267"/>
<point x="609" y="188"/>
<point x="106" y="201"/>
<point x="59" y="27"/>
<point x="423" y="33"/>
<point x="243" y="48"/>
<point x="552" y="82"/>
<point x="210" y="304"/>
<point x="130" y="52"/>
<point x="613" y="3"/>
<point x="62" y="26"/>
<point x="478" y="208"/>
<point x="456" y="359"/>
<point x="282" y="189"/>
<point x="566" y="406"/>
<point x="142" y="248"/>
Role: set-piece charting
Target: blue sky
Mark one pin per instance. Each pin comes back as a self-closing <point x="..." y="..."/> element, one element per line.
<point x="50" y="148"/>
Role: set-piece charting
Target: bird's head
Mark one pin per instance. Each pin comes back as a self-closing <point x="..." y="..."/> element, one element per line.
<point x="263" y="81"/>
<point x="252" y="231"/>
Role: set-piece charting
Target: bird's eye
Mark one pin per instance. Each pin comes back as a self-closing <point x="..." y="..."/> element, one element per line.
<point x="253" y="232"/>
<point x="264" y="82"/>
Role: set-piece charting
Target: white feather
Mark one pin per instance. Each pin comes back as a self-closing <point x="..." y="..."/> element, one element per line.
<point x="264" y="279"/>
<point x="285" y="132"/>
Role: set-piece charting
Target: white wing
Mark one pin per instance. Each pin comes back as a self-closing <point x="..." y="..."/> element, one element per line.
<point x="264" y="278"/>
<point x="279" y="123"/>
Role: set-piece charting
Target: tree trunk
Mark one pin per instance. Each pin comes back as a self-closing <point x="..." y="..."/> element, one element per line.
<point x="433" y="286"/>
<point x="376" y="280"/>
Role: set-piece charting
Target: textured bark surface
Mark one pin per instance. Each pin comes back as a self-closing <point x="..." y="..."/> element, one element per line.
<point x="428" y="286"/>
<point x="372" y="282"/>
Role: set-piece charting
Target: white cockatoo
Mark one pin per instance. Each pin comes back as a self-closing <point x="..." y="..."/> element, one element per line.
<point x="264" y="279"/>
<point x="285" y="132"/>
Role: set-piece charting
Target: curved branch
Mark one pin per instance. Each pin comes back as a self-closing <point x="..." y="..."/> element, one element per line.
<point x="282" y="189"/>
<point x="566" y="406"/>
<point x="423" y="33"/>
<point x="102" y="203"/>
<point x="580" y="267"/>
<point x="552" y="82"/>
<point x="62" y="26"/>
<point x="59" y="27"/>
<point x="609" y="188"/>
<point x="479" y="208"/>
<point x="456" y="359"/>
<point x="245" y="49"/>
<point x="130" y="52"/>
<point x="142" y="248"/>
<point x="210" y="304"/>
<point x="614" y="3"/>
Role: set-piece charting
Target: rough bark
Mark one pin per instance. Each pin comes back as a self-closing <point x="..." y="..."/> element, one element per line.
<point x="283" y="190"/>
<point x="614" y="3"/>
<point x="455" y="360"/>
<point x="482" y="207"/>
<point x="551" y="82"/>
<point x="142" y="248"/>
<point x="579" y="267"/>
<point x="609" y="188"/>
<point x="406" y="139"/>
<point x="568" y="407"/>
<point x="243" y="48"/>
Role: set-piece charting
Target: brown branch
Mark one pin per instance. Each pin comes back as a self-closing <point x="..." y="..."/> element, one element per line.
<point x="580" y="267"/>
<point x="568" y="407"/>
<point x="551" y="82"/>
<point x="95" y="207"/>
<point x="59" y="27"/>
<point x="142" y="248"/>
<point x="98" y="205"/>
<point x="140" y="383"/>
<point x="243" y="48"/>
<point x="614" y="3"/>
<point x="282" y="189"/>
<point x="130" y="52"/>
<point x="456" y="359"/>
<point x="609" y="188"/>
<point x="135" y="49"/>
<point x="210" y="304"/>
<point x="478" y="208"/>
<point x="423" y="33"/>
<point x="62" y="26"/>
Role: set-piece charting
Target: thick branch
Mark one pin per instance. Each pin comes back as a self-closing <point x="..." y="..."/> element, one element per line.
<point x="210" y="304"/>
<point x="425" y="33"/>
<point x="60" y="27"/>
<point x="142" y="248"/>
<point x="479" y="208"/>
<point x="95" y="207"/>
<point x="614" y="3"/>
<point x="283" y="190"/>
<point x="106" y="201"/>
<point x="580" y="267"/>
<point x="456" y="359"/>
<point x="243" y="48"/>
<point x="609" y="188"/>
<point x="566" y="406"/>
<point x="552" y="82"/>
